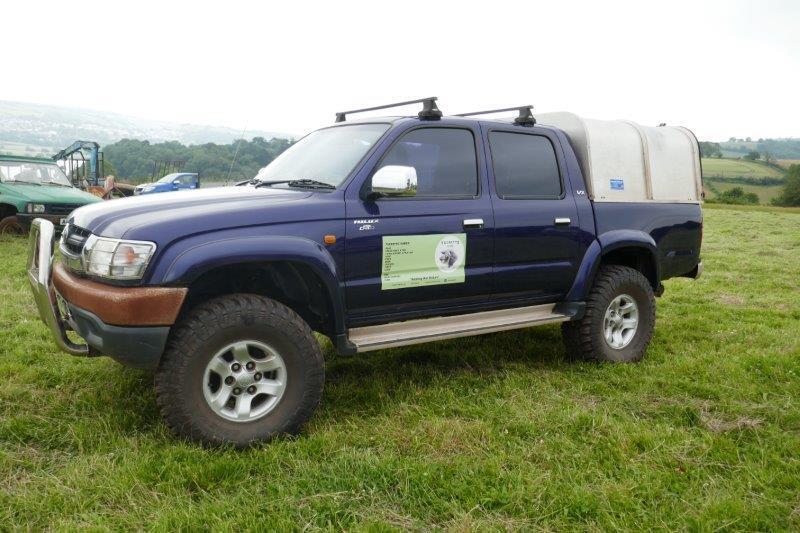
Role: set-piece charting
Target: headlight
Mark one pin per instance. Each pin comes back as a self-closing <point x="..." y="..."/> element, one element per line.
<point x="116" y="259"/>
<point x="35" y="208"/>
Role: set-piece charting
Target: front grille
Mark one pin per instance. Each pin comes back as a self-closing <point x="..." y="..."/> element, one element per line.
<point x="61" y="209"/>
<point x="75" y="238"/>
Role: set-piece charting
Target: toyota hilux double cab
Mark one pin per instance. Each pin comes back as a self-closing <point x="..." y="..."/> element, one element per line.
<point x="376" y="233"/>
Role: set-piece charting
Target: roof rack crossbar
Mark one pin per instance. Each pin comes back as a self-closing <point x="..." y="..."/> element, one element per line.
<point x="525" y="117"/>
<point x="429" y="109"/>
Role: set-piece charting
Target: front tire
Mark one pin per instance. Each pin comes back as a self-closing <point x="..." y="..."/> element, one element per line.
<point x="619" y="319"/>
<point x="11" y="226"/>
<point x="240" y="369"/>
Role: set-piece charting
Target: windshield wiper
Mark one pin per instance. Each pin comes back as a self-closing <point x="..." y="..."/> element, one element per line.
<point x="301" y="183"/>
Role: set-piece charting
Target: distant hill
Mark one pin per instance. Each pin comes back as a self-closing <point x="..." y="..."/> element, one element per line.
<point x="42" y="129"/>
<point x="777" y="148"/>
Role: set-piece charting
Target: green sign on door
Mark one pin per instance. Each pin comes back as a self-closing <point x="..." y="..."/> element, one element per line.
<point x="421" y="260"/>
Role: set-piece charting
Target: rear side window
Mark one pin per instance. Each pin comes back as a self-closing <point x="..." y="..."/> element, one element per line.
<point x="444" y="159"/>
<point x="524" y="166"/>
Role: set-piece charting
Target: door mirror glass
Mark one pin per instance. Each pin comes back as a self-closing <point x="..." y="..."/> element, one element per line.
<point x="395" y="180"/>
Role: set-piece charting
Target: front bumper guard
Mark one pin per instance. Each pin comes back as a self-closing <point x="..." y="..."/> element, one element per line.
<point x="40" y="263"/>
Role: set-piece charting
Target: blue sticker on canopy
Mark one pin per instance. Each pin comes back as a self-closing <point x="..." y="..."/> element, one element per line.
<point x="618" y="185"/>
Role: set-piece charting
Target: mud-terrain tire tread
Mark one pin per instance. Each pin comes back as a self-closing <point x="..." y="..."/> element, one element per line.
<point x="188" y="338"/>
<point x="583" y="339"/>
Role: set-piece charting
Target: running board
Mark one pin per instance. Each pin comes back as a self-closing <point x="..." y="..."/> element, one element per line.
<point x="438" y="328"/>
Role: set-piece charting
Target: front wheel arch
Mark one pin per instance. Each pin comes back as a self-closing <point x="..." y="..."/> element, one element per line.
<point x="9" y="222"/>
<point x="294" y="284"/>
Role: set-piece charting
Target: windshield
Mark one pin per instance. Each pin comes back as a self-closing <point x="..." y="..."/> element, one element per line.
<point x="168" y="178"/>
<point x="327" y="155"/>
<point x="36" y="173"/>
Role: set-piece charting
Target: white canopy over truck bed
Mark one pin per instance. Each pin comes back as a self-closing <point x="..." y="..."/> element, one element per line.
<point x="625" y="162"/>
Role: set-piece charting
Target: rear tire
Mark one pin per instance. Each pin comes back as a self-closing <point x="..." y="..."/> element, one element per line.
<point x="12" y="226"/>
<point x="240" y="369"/>
<point x="619" y="319"/>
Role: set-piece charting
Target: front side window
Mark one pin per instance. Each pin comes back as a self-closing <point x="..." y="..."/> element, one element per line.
<point x="36" y="173"/>
<point x="327" y="155"/>
<point x="524" y="166"/>
<point x="169" y="178"/>
<point x="444" y="159"/>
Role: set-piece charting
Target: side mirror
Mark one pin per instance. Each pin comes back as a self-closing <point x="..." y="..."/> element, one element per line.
<point x="395" y="180"/>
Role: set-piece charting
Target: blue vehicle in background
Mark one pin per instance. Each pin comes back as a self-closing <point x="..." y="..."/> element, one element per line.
<point x="376" y="233"/>
<point x="178" y="181"/>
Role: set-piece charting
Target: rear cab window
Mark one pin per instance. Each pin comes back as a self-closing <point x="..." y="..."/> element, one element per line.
<point x="525" y="166"/>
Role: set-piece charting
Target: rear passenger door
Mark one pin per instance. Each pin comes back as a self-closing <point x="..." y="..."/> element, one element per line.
<point x="536" y="226"/>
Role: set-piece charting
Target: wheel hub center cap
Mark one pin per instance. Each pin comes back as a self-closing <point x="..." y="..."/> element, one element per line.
<point x="244" y="381"/>
<point x="621" y="321"/>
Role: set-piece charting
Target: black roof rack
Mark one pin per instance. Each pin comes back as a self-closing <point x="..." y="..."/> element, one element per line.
<point x="429" y="109"/>
<point x="525" y="117"/>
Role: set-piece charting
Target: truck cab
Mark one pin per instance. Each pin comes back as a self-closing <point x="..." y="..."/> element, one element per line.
<point x="32" y="187"/>
<point x="376" y="233"/>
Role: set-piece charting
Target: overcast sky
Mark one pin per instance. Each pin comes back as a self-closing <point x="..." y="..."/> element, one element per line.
<point x="729" y="68"/>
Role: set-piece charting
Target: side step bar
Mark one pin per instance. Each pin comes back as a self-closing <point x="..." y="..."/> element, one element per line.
<point x="418" y="331"/>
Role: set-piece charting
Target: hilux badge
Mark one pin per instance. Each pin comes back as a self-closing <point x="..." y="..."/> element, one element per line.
<point x="366" y="223"/>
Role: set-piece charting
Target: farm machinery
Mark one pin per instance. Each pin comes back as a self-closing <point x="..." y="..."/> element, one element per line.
<point x="84" y="164"/>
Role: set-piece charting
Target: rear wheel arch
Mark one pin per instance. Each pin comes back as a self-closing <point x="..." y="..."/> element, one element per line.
<point x="592" y="336"/>
<point x="637" y="257"/>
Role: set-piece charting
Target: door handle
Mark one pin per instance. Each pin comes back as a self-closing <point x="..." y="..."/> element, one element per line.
<point x="562" y="221"/>
<point x="473" y="223"/>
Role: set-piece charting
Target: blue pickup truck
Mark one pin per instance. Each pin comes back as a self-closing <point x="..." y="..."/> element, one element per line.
<point x="177" y="181"/>
<point x="376" y="233"/>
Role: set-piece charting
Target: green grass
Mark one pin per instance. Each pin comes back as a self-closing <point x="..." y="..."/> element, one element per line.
<point x="738" y="168"/>
<point x="497" y="431"/>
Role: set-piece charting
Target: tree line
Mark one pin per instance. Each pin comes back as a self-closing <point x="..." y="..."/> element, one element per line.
<point x="133" y="160"/>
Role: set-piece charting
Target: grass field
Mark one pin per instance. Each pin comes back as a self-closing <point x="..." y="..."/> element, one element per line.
<point x="492" y="432"/>
<point x="765" y="192"/>
<point x="786" y="163"/>
<point x="738" y="168"/>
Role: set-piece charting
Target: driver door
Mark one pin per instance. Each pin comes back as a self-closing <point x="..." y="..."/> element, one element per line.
<point x="426" y="253"/>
